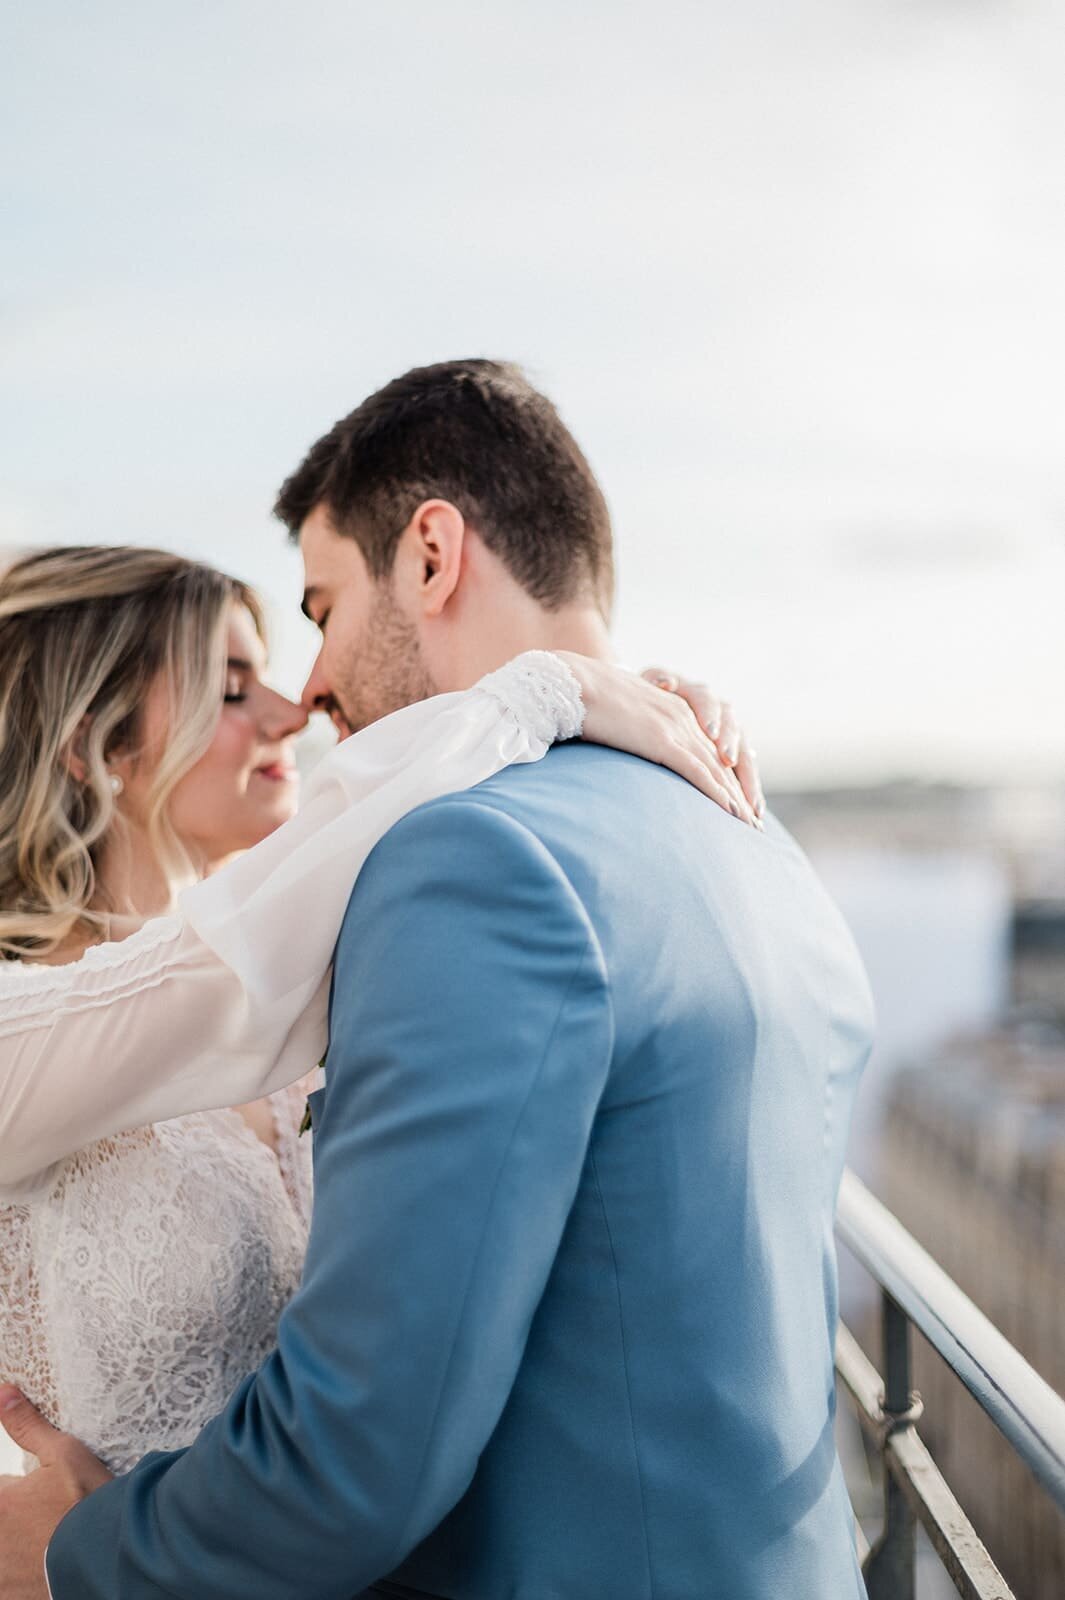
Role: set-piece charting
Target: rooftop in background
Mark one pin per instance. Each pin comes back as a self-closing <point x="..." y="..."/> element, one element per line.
<point x="1024" y="827"/>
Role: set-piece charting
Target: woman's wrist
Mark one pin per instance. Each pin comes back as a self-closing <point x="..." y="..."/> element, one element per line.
<point x="541" y="689"/>
<point x="626" y="712"/>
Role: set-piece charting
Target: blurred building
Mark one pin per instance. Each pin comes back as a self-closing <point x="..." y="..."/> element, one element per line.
<point x="928" y="876"/>
<point x="973" y="1164"/>
<point x="957" y="898"/>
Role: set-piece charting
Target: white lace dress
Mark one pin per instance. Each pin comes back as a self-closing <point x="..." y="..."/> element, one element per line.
<point x="147" y="1279"/>
<point x="142" y="1273"/>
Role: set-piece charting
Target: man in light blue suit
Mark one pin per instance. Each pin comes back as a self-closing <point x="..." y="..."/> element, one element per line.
<point x="567" y="1321"/>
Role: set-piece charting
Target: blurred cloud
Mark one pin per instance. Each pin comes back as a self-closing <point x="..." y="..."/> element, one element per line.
<point x="934" y="545"/>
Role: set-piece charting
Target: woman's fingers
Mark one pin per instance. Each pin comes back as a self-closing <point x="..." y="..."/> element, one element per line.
<point x="703" y="701"/>
<point x="692" y="764"/>
<point x="721" y="784"/>
<point x="631" y="713"/>
<point x="731" y="781"/>
<point x="661" y="678"/>
<point x="746" y="771"/>
<point x="729" y="735"/>
<point x="741" y="806"/>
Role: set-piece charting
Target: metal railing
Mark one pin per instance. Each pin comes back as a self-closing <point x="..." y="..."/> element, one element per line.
<point x="916" y="1293"/>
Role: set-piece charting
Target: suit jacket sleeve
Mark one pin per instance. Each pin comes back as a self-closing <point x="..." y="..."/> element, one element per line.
<point x="471" y="1036"/>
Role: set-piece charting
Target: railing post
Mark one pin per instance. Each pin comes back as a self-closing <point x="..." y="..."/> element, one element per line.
<point x="890" y="1566"/>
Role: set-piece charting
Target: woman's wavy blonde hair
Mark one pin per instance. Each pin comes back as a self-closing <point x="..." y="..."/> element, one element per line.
<point x="85" y="633"/>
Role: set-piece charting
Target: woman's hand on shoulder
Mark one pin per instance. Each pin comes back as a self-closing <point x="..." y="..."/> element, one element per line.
<point x="672" y="728"/>
<point x="718" y="719"/>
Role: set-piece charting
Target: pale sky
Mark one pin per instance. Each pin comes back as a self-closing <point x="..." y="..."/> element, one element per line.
<point x="794" y="272"/>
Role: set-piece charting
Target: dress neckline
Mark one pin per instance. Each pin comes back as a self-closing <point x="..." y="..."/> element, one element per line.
<point x="151" y="935"/>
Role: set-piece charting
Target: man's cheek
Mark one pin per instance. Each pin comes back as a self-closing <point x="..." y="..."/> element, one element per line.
<point x="347" y="682"/>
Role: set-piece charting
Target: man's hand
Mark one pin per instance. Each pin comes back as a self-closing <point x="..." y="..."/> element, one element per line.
<point x="31" y="1508"/>
<point x="718" y="720"/>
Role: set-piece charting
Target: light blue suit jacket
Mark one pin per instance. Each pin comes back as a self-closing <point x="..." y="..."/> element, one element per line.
<point x="566" y="1326"/>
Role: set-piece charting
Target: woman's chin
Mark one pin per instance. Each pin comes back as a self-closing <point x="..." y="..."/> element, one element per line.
<point x="279" y="814"/>
<point x="263" y="811"/>
<point x="266" y="819"/>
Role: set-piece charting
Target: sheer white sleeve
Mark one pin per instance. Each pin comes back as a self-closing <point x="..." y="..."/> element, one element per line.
<point x="226" y="1000"/>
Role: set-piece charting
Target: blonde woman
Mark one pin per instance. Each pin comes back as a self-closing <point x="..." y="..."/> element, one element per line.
<point x="142" y="1273"/>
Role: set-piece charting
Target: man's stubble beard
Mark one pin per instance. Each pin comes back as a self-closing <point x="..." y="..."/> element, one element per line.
<point x="386" y="671"/>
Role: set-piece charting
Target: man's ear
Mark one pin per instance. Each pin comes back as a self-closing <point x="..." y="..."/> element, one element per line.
<point x="432" y="544"/>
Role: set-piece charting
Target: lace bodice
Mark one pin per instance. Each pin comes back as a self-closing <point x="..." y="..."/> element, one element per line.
<point x="147" y="1280"/>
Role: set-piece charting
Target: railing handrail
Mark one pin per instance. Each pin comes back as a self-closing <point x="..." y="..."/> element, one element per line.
<point x="1024" y="1408"/>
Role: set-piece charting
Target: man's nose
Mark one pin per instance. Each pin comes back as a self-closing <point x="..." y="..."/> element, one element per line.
<point x="317" y="694"/>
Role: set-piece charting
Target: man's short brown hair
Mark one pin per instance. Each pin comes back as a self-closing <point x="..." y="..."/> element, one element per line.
<point x="478" y="434"/>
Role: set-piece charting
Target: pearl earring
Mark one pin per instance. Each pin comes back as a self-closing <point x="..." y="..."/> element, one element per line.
<point x="116" y="783"/>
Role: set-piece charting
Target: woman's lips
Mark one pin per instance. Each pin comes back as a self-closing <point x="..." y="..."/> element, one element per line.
<point x="278" y="772"/>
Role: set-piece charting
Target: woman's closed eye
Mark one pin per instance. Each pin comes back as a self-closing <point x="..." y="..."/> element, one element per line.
<point x="236" y="690"/>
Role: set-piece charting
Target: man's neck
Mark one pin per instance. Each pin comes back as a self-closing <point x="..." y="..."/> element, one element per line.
<point x="580" y="629"/>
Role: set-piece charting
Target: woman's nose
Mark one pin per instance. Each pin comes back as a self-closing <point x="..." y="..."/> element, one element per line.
<point x="283" y="717"/>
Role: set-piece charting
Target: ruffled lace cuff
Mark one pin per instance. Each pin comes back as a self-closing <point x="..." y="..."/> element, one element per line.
<point x="541" y="692"/>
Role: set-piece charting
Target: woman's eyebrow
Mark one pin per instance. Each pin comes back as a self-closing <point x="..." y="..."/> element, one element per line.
<point x="236" y="664"/>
